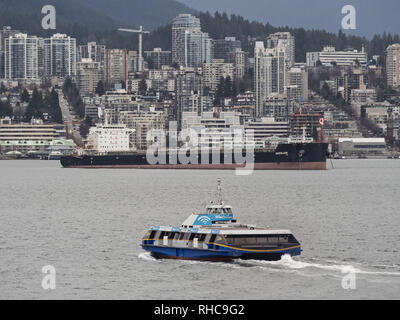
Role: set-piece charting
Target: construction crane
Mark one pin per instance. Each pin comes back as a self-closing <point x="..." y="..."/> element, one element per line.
<point x="140" y="32"/>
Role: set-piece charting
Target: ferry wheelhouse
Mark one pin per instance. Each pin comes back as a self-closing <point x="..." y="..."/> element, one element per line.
<point x="216" y="236"/>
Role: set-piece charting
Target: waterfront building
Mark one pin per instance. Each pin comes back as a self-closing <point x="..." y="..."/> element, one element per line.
<point x="362" y="147"/>
<point x="30" y="137"/>
<point x="60" y="56"/>
<point x="269" y="73"/>
<point x="393" y="65"/>
<point x="21" y="57"/>
<point x="329" y="56"/>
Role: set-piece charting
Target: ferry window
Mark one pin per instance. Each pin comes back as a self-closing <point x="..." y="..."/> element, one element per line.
<point x="273" y="239"/>
<point x="212" y="239"/>
<point x="262" y="239"/>
<point x="181" y="236"/>
<point x="152" y="234"/>
<point x="283" y="239"/>
<point x="202" y="237"/>
<point x="171" y="235"/>
<point x="192" y="235"/>
<point x="162" y="234"/>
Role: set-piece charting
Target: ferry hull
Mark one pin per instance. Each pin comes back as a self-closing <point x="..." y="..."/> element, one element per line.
<point x="225" y="254"/>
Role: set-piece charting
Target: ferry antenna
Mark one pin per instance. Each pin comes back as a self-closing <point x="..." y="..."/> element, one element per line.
<point x="219" y="190"/>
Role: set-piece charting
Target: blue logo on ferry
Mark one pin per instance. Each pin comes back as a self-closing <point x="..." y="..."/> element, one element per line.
<point x="207" y="219"/>
<point x="155" y="228"/>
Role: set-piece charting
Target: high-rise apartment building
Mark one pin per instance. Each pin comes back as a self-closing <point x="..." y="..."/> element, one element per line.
<point x="180" y="25"/>
<point x="215" y="70"/>
<point x="297" y="83"/>
<point x="190" y="46"/>
<point x="239" y="58"/>
<point x="286" y="39"/>
<point x="60" y="56"/>
<point x="188" y="82"/>
<point x="96" y="53"/>
<point x="198" y="48"/>
<point x="393" y="65"/>
<point x="21" y="57"/>
<point x="88" y="76"/>
<point x="223" y="48"/>
<point x="5" y="33"/>
<point x="269" y="73"/>
<point x="116" y="66"/>
<point x="158" y="58"/>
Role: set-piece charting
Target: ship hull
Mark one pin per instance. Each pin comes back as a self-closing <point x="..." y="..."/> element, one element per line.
<point x="226" y="254"/>
<point x="311" y="156"/>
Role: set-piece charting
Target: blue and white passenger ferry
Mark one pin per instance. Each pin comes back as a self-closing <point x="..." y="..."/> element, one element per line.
<point x="216" y="236"/>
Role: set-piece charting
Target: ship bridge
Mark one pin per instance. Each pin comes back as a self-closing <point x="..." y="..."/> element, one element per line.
<point x="215" y="214"/>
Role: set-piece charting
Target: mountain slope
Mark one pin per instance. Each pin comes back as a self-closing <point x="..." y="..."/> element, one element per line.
<point x="26" y="15"/>
<point x="149" y="13"/>
<point x="372" y="16"/>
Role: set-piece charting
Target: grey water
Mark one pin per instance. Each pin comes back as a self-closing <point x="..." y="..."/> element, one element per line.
<point x="88" y="224"/>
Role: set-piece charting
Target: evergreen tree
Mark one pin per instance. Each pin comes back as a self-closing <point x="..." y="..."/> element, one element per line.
<point x="142" y="87"/>
<point x="100" y="90"/>
<point x="228" y="87"/>
<point x="25" y="96"/>
<point x="5" y="109"/>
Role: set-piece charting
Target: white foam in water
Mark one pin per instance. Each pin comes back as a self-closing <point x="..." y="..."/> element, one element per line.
<point x="146" y="256"/>
<point x="288" y="262"/>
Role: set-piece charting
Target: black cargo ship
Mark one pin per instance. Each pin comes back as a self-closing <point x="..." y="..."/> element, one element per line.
<point x="286" y="156"/>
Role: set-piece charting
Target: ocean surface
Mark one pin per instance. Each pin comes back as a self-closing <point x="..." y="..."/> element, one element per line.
<point x="88" y="224"/>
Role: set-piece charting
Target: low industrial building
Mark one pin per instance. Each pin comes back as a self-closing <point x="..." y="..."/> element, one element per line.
<point x="362" y="147"/>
